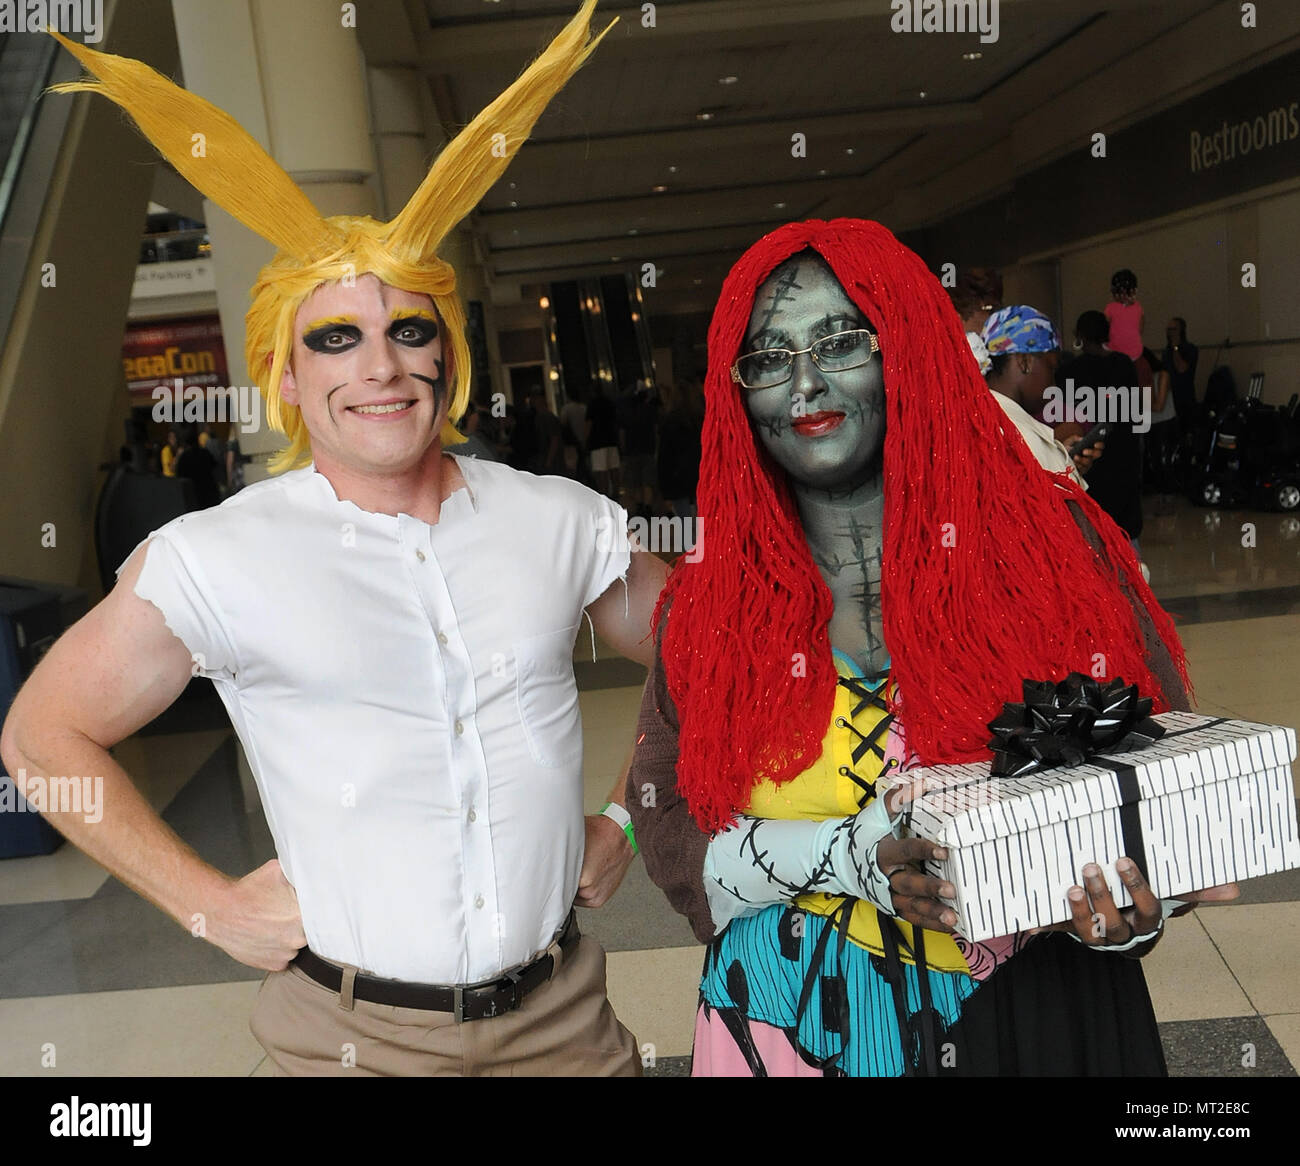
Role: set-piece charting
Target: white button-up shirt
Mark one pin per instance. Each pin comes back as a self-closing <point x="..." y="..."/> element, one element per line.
<point x="406" y="699"/>
<point x="1047" y="451"/>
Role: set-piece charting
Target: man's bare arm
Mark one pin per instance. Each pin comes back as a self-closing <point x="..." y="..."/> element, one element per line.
<point x="108" y="675"/>
<point x="622" y="619"/>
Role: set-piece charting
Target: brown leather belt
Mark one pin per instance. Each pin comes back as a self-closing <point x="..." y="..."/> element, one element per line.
<point x="472" y="1002"/>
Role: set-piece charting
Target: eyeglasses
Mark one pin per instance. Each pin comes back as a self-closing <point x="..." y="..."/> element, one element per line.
<point x="770" y="367"/>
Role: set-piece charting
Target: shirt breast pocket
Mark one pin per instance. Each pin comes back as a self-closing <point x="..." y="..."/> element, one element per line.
<point x="548" y="697"/>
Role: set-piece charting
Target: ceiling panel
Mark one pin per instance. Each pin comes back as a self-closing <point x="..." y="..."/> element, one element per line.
<point x="886" y="116"/>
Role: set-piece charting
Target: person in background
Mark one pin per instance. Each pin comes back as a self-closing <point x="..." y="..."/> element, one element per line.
<point x="523" y="434"/>
<point x="639" y="423"/>
<point x="195" y="463"/>
<point x="680" y="426"/>
<point x="1115" y="482"/>
<point x="548" y="458"/>
<point x="1162" y="440"/>
<point x="476" y="444"/>
<point x="170" y="451"/>
<point x="1024" y="349"/>
<point x="1180" y="362"/>
<point x="1124" y="314"/>
<point x="602" y="441"/>
<point x="976" y="294"/>
<point x="573" y="424"/>
<point x="235" y="461"/>
<point x="216" y="449"/>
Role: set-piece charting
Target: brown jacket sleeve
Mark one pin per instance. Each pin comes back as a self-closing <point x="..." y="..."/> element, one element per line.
<point x="671" y="843"/>
<point x="1158" y="658"/>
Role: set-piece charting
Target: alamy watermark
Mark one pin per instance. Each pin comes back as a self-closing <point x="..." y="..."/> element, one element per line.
<point x="193" y="405"/>
<point x="1108" y="404"/>
<point x="671" y="535"/>
<point x="84" y="17"/>
<point x="53" y="795"/>
<point x="947" y="16"/>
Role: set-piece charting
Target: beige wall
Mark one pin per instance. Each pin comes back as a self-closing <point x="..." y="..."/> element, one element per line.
<point x="1192" y="268"/>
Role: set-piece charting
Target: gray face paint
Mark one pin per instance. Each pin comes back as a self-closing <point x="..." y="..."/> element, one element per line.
<point x="835" y="471"/>
<point x="825" y="429"/>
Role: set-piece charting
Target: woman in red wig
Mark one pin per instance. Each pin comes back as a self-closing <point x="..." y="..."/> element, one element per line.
<point x="880" y="551"/>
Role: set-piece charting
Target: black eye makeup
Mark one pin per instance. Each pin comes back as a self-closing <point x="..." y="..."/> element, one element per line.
<point x="413" y="331"/>
<point x="332" y="337"/>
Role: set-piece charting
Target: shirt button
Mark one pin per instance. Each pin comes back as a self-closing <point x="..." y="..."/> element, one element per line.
<point x="460" y="728"/>
<point x="442" y="638"/>
<point x="420" y="555"/>
<point x="473" y="816"/>
<point x="478" y="901"/>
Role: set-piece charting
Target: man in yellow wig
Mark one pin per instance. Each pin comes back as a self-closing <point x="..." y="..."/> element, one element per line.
<point x="391" y="630"/>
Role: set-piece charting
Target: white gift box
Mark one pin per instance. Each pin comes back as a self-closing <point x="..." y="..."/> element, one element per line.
<point x="1211" y="802"/>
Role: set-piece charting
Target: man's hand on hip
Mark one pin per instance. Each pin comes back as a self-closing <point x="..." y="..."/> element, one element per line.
<point x="605" y="862"/>
<point x="257" y="920"/>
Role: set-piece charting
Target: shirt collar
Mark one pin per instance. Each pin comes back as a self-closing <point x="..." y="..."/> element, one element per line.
<point x="312" y="474"/>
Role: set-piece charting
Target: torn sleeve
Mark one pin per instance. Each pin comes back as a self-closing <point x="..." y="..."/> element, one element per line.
<point x="174" y="583"/>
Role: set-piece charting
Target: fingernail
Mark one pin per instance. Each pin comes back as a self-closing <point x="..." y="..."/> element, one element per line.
<point x="1124" y="865"/>
<point x="1076" y="894"/>
<point x="947" y="891"/>
<point x="1091" y="871"/>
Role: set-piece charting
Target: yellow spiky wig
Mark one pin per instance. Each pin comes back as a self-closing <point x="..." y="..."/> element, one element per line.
<point x="237" y="174"/>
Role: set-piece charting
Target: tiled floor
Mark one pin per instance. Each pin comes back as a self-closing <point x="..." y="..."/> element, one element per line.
<point x="95" y="981"/>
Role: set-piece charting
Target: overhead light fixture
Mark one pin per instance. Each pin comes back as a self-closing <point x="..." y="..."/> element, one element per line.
<point x="729" y="79"/>
<point x="922" y="93"/>
<point x="779" y="206"/>
<point x="672" y="169"/>
<point x="616" y="259"/>
<point x="632" y="231"/>
<point x="822" y="173"/>
<point x="704" y="115"/>
<point x="849" y="151"/>
<point x="971" y="56"/>
<point x="555" y="372"/>
<point x="659" y="189"/>
<point x="544" y="302"/>
<point x="513" y="203"/>
<point x="697" y="281"/>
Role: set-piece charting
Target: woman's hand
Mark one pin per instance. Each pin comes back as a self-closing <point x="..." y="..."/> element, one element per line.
<point x="1098" y="922"/>
<point x="917" y="897"/>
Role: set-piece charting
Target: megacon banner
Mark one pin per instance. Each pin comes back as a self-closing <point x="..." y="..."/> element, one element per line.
<point x="158" y="353"/>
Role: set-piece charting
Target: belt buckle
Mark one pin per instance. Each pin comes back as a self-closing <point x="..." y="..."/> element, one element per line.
<point x="458" y="1004"/>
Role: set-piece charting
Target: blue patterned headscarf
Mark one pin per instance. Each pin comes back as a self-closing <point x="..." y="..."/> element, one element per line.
<point x="1020" y="328"/>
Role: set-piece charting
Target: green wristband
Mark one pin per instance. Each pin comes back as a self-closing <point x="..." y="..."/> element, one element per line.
<point x="621" y="818"/>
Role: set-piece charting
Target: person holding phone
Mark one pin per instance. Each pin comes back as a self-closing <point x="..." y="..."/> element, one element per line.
<point x="1024" y="350"/>
<point x="1115" y="482"/>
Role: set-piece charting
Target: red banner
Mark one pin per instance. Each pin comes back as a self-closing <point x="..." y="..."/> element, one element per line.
<point x="158" y="353"/>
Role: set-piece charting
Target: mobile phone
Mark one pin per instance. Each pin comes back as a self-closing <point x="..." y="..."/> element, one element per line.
<point x="1097" y="433"/>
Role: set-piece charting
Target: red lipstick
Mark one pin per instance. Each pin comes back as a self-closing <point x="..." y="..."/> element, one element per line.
<point x="817" y="424"/>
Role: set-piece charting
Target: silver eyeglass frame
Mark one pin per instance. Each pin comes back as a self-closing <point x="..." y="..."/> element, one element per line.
<point x="735" y="368"/>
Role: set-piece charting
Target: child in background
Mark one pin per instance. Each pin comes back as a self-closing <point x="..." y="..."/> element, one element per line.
<point x="1125" y="315"/>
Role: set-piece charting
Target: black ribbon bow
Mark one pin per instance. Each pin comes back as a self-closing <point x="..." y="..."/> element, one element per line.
<point x="1066" y="723"/>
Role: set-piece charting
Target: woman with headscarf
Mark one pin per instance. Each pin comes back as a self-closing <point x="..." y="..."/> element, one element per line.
<point x="880" y="550"/>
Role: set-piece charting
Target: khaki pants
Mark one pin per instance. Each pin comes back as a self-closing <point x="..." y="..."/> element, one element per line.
<point x="564" y="1028"/>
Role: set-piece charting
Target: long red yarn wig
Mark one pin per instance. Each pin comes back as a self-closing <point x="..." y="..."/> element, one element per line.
<point x="986" y="577"/>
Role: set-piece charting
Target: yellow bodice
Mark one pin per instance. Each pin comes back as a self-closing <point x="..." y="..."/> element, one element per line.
<point x="826" y="789"/>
